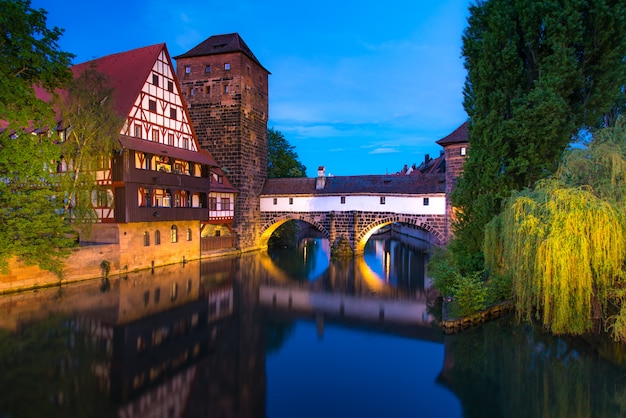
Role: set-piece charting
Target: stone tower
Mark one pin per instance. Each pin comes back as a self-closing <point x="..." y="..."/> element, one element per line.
<point x="455" y="147"/>
<point x="226" y="90"/>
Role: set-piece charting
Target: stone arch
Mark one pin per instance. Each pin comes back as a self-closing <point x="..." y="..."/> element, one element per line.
<point x="420" y="222"/>
<point x="276" y="221"/>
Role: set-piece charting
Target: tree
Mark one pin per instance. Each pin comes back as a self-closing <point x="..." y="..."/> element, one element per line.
<point x="563" y="244"/>
<point x="92" y="130"/>
<point x="538" y="74"/>
<point x="30" y="227"/>
<point x="282" y="160"/>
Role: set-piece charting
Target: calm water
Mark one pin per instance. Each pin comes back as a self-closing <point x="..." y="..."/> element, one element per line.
<point x="287" y="334"/>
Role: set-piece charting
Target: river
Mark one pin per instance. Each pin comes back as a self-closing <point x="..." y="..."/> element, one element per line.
<point x="291" y="334"/>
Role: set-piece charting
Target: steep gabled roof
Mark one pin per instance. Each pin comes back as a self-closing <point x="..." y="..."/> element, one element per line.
<point x="458" y="136"/>
<point x="346" y="185"/>
<point x="221" y="44"/>
<point x="126" y="73"/>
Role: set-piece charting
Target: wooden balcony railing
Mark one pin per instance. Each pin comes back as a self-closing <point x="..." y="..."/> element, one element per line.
<point x="208" y="244"/>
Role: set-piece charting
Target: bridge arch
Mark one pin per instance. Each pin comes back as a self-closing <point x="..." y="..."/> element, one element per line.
<point x="366" y="232"/>
<point x="275" y="222"/>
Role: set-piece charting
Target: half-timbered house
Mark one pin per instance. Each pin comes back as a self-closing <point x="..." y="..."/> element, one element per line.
<point x="161" y="185"/>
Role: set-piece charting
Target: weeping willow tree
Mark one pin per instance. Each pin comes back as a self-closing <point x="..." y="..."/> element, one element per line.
<point x="563" y="244"/>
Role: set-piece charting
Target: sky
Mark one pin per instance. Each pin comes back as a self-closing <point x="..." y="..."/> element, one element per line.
<point x="357" y="86"/>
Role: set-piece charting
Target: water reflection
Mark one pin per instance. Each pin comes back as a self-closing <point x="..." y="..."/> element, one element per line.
<point x="209" y="339"/>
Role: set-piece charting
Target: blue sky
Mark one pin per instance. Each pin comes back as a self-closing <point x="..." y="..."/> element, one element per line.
<point x="360" y="87"/>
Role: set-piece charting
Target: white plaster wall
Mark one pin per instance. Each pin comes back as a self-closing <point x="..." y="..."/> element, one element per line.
<point x="413" y="205"/>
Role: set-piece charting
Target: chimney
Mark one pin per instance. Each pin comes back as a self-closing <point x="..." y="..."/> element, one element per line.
<point x="321" y="178"/>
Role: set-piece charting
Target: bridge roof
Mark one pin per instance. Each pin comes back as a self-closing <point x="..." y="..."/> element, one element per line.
<point x="351" y="185"/>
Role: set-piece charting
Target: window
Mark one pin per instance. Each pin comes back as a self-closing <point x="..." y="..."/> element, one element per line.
<point x="225" y="203"/>
<point x="146" y="297"/>
<point x="463" y="150"/>
<point x="227" y="66"/>
<point x="343" y="200"/>
<point x="382" y="200"/>
<point x="187" y="69"/>
<point x="155" y="80"/>
<point x="155" y="135"/>
<point x="291" y="200"/>
<point x="157" y="237"/>
<point x="185" y="142"/>
<point x="173" y="114"/>
<point x="192" y="91"/>
<point x="146" y="239"/>
<point x="226" y="89"/>
<point x="426" y="201"/>
<point x="170" y="86"/>
<point x="152" y="105"/>
<point x="170" y="139"/>
<point x="207" y="90"/>
<point x="138" y="131"/>
<point x="174" y="233"/>
<point x="189" y="234"/>
<point x="212" y="203"/>
<point x="207" y="68"/>
<point x="157" y="295"/>
<point x="275" y="201"/>
<point x="174" y="294"/>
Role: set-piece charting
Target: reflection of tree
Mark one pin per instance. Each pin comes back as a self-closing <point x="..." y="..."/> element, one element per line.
<point x="298" y="262"/>
<point x="500" y="370"/>
<point x="46" y="370"/>
<point x="277" y="333"/>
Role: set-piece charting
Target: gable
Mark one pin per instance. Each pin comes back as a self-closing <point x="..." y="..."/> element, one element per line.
<point x="158" y="113"/>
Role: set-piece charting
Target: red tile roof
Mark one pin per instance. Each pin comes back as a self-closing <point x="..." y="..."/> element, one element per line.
<point x="346" y="185"/>
<point x="458" y="136"/>
<point x="126" y="73"/>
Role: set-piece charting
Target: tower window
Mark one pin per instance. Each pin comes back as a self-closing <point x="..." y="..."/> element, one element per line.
<point x="227" y="66"/>
<point x="343" y="200"/>
<point x="275" y="201"/>
<point x="291" y="200"/>
<point x="226" y="89"/>
<point x="207" y="90"/>
<point x="382" y="200"/>
<point x="207" y="69"/>
<point x="426" y="201"/>
<point x="187" y="69"/>
<point x="463" y="150"/>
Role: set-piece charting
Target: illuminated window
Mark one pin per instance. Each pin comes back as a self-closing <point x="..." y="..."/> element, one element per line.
<point x="174" y="233"/>
<point x="146" y="238"/>
<point x="463" y="150"/>
<point x="189" y="234"/>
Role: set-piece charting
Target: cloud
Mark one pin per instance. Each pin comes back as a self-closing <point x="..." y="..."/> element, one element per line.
<point x="384" y="151"/>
